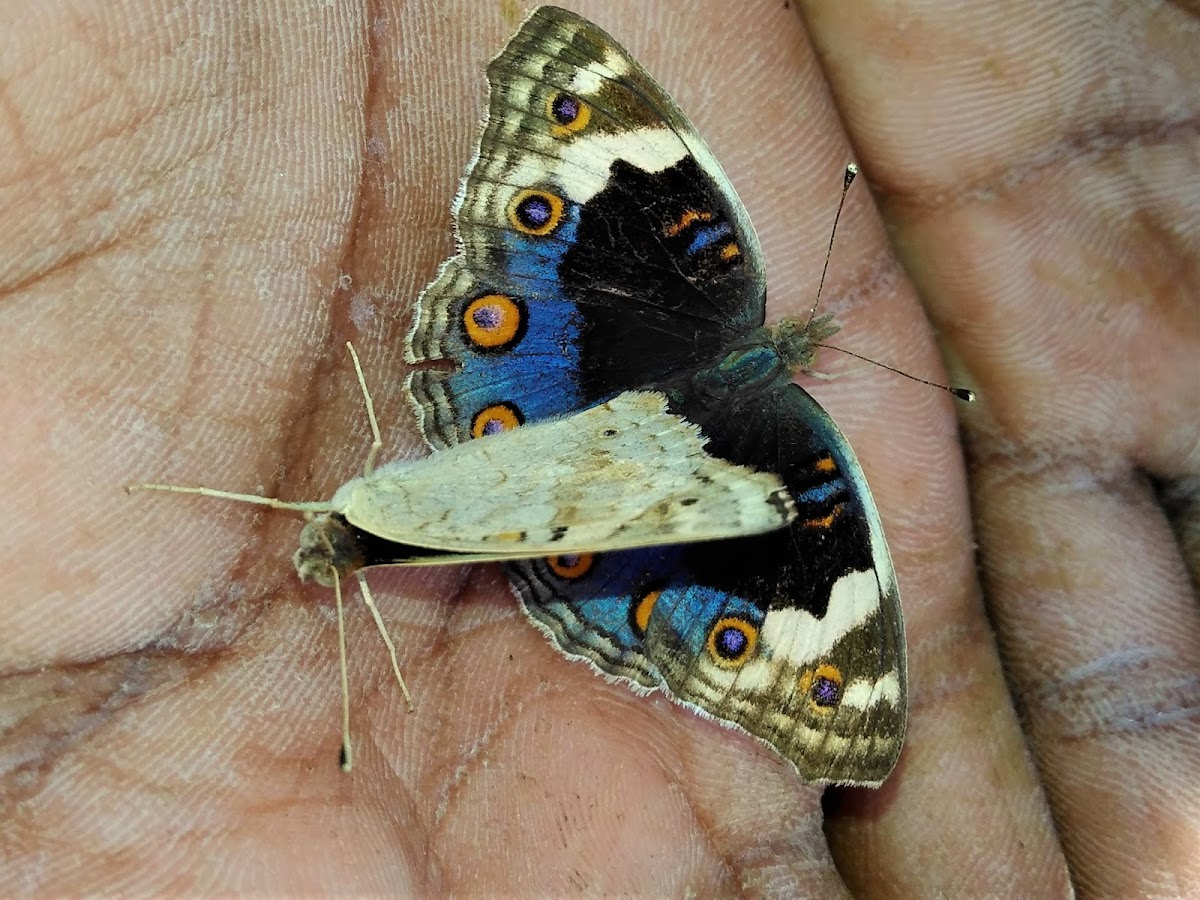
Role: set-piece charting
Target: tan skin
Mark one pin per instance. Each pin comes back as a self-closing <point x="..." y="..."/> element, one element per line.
<point x="200" y="207"/>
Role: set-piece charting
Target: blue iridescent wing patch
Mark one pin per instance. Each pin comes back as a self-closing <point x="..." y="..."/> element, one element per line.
<point x="603" y="250"/>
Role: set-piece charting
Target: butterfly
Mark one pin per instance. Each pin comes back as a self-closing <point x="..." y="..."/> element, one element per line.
<point x="603" y="253"/>
<point x="615" y="406"/>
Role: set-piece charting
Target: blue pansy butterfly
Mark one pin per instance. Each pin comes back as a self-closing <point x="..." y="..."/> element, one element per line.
<point x="614" y="388"/>
<point x="603" y="251"/>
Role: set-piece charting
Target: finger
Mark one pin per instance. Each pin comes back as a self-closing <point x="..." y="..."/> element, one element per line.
<point x="968" y="803"/>
<point x="1052" y="288"/>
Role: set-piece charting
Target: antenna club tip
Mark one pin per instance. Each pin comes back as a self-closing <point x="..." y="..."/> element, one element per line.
<point x="851" y="174"/>
<point x="965" y="394"/>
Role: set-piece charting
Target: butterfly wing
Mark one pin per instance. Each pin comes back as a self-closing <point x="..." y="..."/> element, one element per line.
<point x="601" y="246"/>
<point x="603" y="249"/>
<point x="794" y="637"/>
<point x="623" y="473"/>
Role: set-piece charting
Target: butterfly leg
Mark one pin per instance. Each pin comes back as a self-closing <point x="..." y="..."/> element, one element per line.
<point x="346" y="761"/>
<point x="387" y="638"/>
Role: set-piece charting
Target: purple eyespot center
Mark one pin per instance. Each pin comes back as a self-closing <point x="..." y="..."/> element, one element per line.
<point x="487" y="318"/>
<point x="568" y="560"/>
<point x="825" y="691"/>
<point x="496" y="418"/>
<point x="534" y="212"/>
<point x="731" y="642"/>
<point x="565" y="109"/>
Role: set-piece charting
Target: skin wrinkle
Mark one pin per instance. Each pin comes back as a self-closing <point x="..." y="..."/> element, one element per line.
<point x="1089" y="710"/>
<point x="14" y="124"/>
<point x="476" y="757"/>
<point x="357" y="213"/>
<point x="750" y="859"/>
<point x="734" y="873"/>
<point x="1131" y="483"/>
<point x="1102" y="142"/>
<point x="1044" y="467"/>
<point x="1170" y="264"/>
<point x="1180" y="499"/>
<point x="1066" y="466"/>
<point x="61" y="265"/>
<point x="1099" y="143"/>
<point x="111" y="204"/>
<point x="23" y="782"/>
<point x="1104" y="695"/>
<point x="745" y="860"/>
<point x="952" y="684"/>
<point x="449" y="640"/>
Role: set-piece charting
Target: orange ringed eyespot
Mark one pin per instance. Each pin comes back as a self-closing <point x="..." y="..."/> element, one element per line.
<point x="569" y="114"/>
<point x="732" y="641"/>
<point x="571" y="565"/>
<point x="823" y="686"/>
<point x="535" y="212"/>
<point x="494" y="321"/>
<point x="496" y="418"/>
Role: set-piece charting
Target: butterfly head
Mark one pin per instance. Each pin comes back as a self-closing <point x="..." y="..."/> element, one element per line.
<point x="329" y="549"/>
<point x="796" y="340"/>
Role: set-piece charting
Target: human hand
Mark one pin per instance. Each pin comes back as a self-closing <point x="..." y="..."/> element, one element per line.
<point x="205" y="204"/>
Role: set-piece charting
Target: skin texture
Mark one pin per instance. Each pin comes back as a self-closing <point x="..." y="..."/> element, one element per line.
<point x="200" y="203"/>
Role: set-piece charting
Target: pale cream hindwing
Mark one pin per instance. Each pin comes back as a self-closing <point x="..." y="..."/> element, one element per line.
<point x="622" y="474"/>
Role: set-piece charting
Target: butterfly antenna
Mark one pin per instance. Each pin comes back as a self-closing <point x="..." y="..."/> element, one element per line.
<point x="387" y="638"/>
<point x="850" y="174"/>
<point x="847" y="179"/>
<point x="965" y="394"/>
<point x="376" y="439"/>
<point x="304" y="506"/>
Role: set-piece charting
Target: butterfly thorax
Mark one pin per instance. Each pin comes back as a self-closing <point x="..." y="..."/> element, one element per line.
<point x="743" y="369"/>
<point x="764" y="356"/>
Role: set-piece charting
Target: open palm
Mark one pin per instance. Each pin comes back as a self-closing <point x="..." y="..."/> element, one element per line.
<point x="203" y="203"/>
